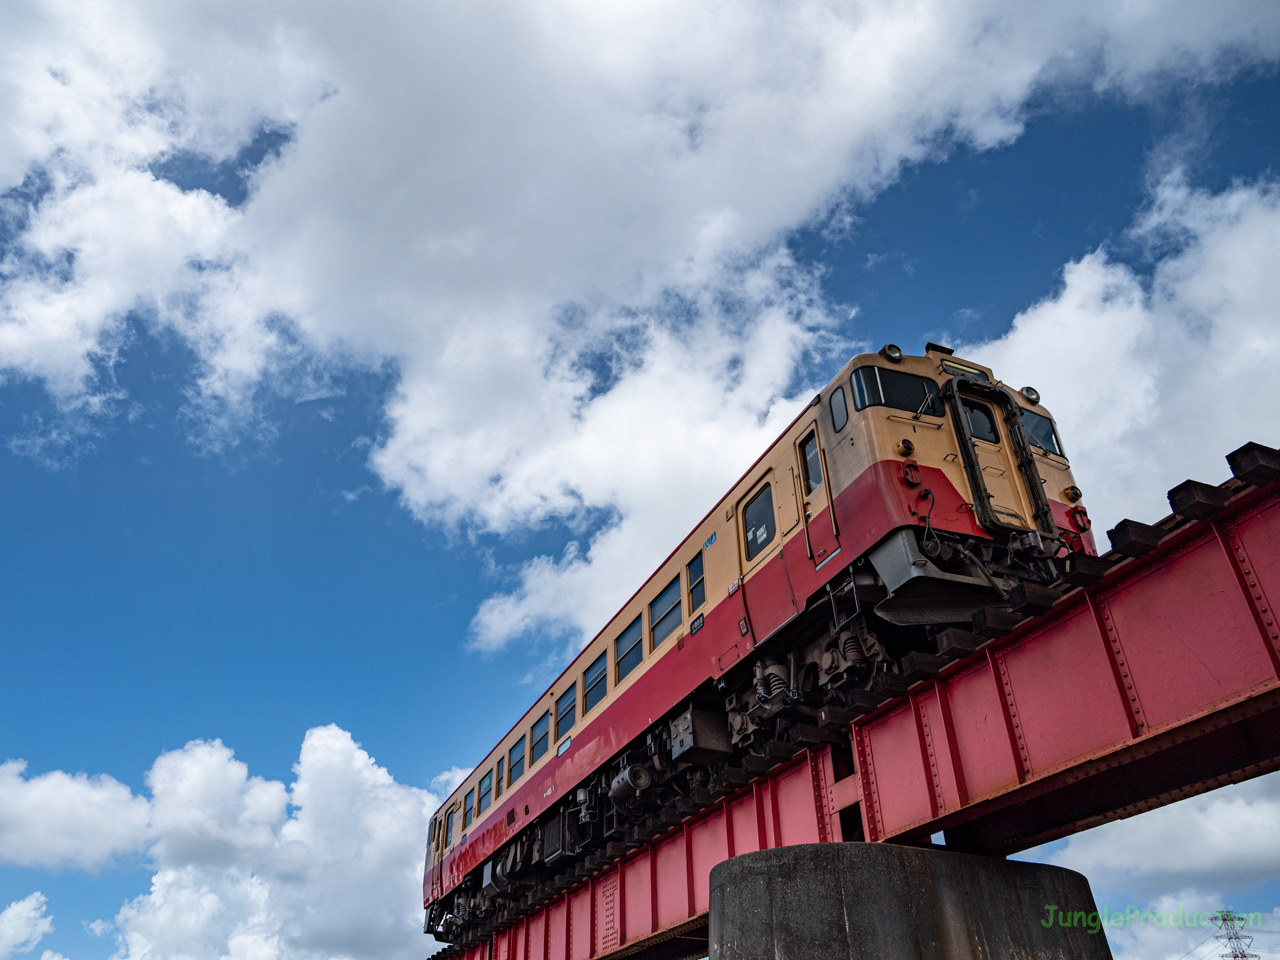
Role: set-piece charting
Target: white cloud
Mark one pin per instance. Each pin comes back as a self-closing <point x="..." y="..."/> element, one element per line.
<point x="1176" y="926"/>
<point x="328" y="866"/>
<point x="1159" y="876"/>
<point x="1221" y="840"/>
<point x="493" y="195"/>
<point x="445" y="783"/>
<point x="1154" y="382"/>
<point x="62" y="820"/>
<point x="22" y="925"/>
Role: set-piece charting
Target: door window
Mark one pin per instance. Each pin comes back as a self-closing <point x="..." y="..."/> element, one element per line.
<point x="757" y="519"/>
<point x="982" y="422"/>
<point x="812" y="459"/>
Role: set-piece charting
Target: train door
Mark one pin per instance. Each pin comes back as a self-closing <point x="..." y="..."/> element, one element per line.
<point x="813" y="487"/>
<point x="765" y="514"/>
<point x="998" y="463"/>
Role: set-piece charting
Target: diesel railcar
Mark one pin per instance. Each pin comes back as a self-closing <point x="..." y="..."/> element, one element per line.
<point x="912" y="493"/>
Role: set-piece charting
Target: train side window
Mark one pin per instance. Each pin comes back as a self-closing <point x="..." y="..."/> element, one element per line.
<point x="628" y="651"/>
<point x="874" y="387"/>
<point x="497" y="782"/>
<point x="758" y="521"/>
<point x="594" y="682"/>
<point x="1040" y="431"/>
<point x="538" y="737"/>
<point x="486" y="793"/>
<point x="566" y="711"/>
<point x="468" y="809"/>
<point x="664" y="612"/>
<point x="839" y="409"/>
<point x="812" y="463"/>
<point x="982" y="422"/>
<point x="448" y="829"/>
<point x="697" y="585"/>
<point x="431" y="832"/>
<point x="516" y="757"/>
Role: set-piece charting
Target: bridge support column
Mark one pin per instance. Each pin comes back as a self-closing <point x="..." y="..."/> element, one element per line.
<point x="868" y="901"/>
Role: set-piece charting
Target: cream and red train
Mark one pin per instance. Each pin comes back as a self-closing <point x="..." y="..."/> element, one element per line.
<point x="911" y="494"/>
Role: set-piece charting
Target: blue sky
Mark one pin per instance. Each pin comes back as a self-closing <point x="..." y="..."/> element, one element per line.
<point x="328" y="404"/>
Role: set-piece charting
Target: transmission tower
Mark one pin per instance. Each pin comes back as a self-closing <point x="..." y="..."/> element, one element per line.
<point x="1237" y="943"/>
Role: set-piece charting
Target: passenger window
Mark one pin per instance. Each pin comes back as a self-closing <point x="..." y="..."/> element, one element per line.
<point x="431" y="832"/>
<point x="982" y="423"/>
<point x="839" y="410"/>
<point x="594" y="684"/>
<point x="486" y="792"/>
<point x="468" y="810"/>
<point x="1040" y="431"/>
<point x="812" y="463"/>
<point x="538" y="738"/>
<point x="628" y="651"/>
<point x="517" y="761"/>
<point x="874" y="387"/>
<point x="497" y="783"/>
<point x="758" y="522"/>
<point x="664" y="612"/>
<point x="566" y="711"/>
<point x="448" y="829"/>
<point x="697" y="585"/>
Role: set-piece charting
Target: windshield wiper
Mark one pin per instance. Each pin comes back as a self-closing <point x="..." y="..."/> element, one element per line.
<point x="928" y="399"/>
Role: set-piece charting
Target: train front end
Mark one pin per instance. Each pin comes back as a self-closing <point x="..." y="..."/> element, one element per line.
<point x="964" y="481"/>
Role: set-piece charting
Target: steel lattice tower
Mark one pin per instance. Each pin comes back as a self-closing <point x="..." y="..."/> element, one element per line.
<point x="1237" y="943"/>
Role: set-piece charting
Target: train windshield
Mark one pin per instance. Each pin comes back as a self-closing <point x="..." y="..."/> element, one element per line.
<point x="877" y="387"/>
<point x="1041" y="433"/>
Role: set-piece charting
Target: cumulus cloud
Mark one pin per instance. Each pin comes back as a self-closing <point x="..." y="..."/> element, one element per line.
<point x="327" y="866"/>
<point x="1220" y="841"/>
<point x="22" y="925"/>
<point x="1154" y="380"/>
<point x="547" y="218"/>
<point x="1178" y="926"/>
<point x="58" y="820"/>
<point x="1159" y="876"/>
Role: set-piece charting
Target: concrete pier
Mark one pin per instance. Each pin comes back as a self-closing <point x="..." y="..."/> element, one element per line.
<point x="880" y="901"/>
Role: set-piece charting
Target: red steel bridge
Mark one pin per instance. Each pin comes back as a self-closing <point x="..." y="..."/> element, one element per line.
<point x="1157" y="679"/>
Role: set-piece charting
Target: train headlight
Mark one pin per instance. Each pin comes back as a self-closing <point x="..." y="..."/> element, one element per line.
<point x="1032" y="395"/>
<point x="905" y="448"/>
<point x="891" y="352"/>
<point x="1072" y="494"/>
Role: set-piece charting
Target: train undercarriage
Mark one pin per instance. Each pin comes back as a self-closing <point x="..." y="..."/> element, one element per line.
<point x="879" y="626"/>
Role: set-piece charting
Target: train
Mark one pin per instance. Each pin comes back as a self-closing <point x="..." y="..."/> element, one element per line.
<point x="913" y="494"/>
